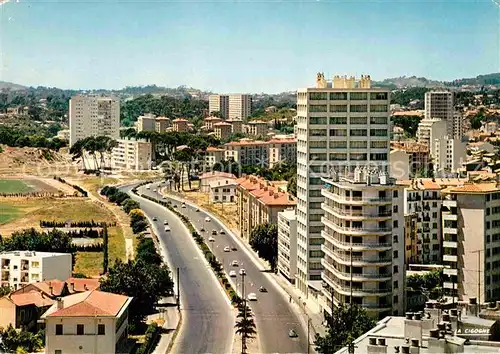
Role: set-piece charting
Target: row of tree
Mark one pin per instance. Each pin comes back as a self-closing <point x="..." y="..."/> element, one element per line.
<point x="75" y="224"/>
<point x="17" y="138"/>
<point x="77" y="188"/>
<point x="138" y="221"/>
<point x="93" y="146"/>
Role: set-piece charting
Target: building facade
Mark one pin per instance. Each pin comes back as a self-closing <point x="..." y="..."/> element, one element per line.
<point x="219" y="103"/>
<point x="448" y="155"/>
<point x="340" y="124"/>
<point x="287" y="244"/>
<point x="222" y="130"/>
<point x="180" y="125"/>
<point x="248" y="152"/>
<point x="413" y="246"/>
<point x="240" y="106"/>
<point x="93" y="116"/>
<point x="439" y="105"/>
<point x="222" y="191"/>
<point x="146" y="123"/>
<point x="257" y="128"/>
<point x="19" y="268"/>
<point x="363" y="243"/>
<point x="162" y="124"/>
<point x="132" y="155"/>
<point x="431" y="129"/>
<point x="282" y="151"/>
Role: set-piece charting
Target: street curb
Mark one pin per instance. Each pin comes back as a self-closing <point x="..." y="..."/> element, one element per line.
<point x="176" y="332"/>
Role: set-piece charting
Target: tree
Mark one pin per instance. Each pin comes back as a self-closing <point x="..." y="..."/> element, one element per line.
<point x="408" y="123"/>
<point x="264" y="240"/>
<point x="129" y="204"/>
<point x="105" y="254"/>
<point x="346" y="323"/>
<point x="139" y="226"/>
<point x="21" y="341"/>
<point x="5" y="290"/>
<point x="245" y="325"/>
<point x="146" y="252"/>
<point x="292" y="186"/>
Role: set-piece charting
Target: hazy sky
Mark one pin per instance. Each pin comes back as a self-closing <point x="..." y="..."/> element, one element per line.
<point x="242" y="46"/>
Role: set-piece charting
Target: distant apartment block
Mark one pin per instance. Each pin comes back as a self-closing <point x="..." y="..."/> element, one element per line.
<point x="162" y="124"/>
<point x="448" y="155"/>
<point x="222" y="130"/>
<point x="63" y="134"/>
<point x="413" y="244"/>
<point x="180" y="125"/>
<point x="93" y="116"/>
<point x="287" y="244"/>
<point x="88" y="322"/>
<point x="213" y="156"/>
<point x="236" y="125"/>
<point x="219" y="103"/>
<point x="282" y="151"/>
<point x="146" y="123"/>
<point x="258" y="128"/>
<point x="240" y="106"/>
<point x="211" y="121"/>
<point x="471" y="241"/>
<point x="431" y="129"/>
<point x="341" y="124"/>
<point x="132" y="155"/>
<point x="409" y="159"/>
<point x="259" y="202"/>
<point x="439" y="105"/>
<point x="248" y="152"/>
<point x="19" y="268"/>
<point x="364" y="245"/>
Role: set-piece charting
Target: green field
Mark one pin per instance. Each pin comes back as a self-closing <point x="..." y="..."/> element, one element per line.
<point x="8" y="213"/>
<point x="14" y="186"/>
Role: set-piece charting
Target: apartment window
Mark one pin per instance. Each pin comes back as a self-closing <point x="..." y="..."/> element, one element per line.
<point x="395" y="209"/>
<point x="315" y="180"/>
<point x="338" y="132"/>
<point x="378" y="144"/>
<point x="358" y="96"/>
<point x="358" y="132"/>
<point x="314" y="217"/>
<point x="338" y="108"/>
<point x="314" y="193"/>
<point x="318" y="96"/>
<point x="395" y="254"/>
<point x="358" y="120"/>
<point x="395" y="269"/>
<point x="101" y="329"/>
<point x="395" y="194"/>
<point x="396" y="284"/>
<point x="313" y="108"/>
<point x="356" y="144"/>
<point x="358" y="157"/>
<point x="378" y="132"/>
<point x="318" y="157"/>
<point x="315" y="254"/>
<point x="378" y="157"/>
<point x="316" y="241"/>
<point x="317" y="132"/>
<point x="338" y="96"/>
<point x="317" y="120"/>
<point x="338" y="120"/>
<point x="80" y="329"/>
<point x="59" y="329"/>
<point x="378" y="96"/>
<point x="339" y="144"/>
<point x="395" y="223"/>
<point x="338" y="157"/>
<point x="318" y="144"/>
<point x="378" y="120"/>
<point x="395" y="299"/>
<point x="358" y="108"/>
<point x="378" y="108"/>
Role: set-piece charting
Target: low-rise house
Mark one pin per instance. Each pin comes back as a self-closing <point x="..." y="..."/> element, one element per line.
<point x="222" y="130"/>
<point x="212" y="177"/>
<point x="180" y="125"/>
<point x="213" y="156"/>
<point x="22" y="310"/>
<point x="88" y="322"/>
<point x="223" y="191"/>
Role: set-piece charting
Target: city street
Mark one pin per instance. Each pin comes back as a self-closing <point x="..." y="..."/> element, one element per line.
<point x="273" y="313"/>
<point x="207" y="317"/>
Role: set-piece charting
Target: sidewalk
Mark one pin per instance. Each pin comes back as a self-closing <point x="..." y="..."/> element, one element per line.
<point x="171" y="326"/>
<point x="307" y="307"/>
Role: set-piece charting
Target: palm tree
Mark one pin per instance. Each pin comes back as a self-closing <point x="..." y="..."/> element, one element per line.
<point x="245" y="326"/>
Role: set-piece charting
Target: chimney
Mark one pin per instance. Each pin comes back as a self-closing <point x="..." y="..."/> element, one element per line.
<point x="85" y="287"/>
<point x="51" y="289"/>
<point x="276" y="195"/>
<point x="60" y="303"/>
<point x="405" y="349"/>
<point x="413" y="326"/>
<point x="374" y="348"/>
<point x="415" y="346"/>
<point x="72" y="285"/>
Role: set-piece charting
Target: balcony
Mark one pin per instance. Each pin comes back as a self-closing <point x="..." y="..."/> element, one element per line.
<point x="449" y="230"/>
<point x="356" y="231"/>
<point x="355" y="200"/>
<point x="450" y="271"/>
<point x="356" y="260"/>
<point x="450" y="258"/>
<point x="448" y="216"/>
<point x="356" y="276"/>
<point x="450" y="244"/>
<point x="355" y="246"/>
<point x="355" y="215"/>
<point x="449" y="203"/>
<point x="355" y="291"/>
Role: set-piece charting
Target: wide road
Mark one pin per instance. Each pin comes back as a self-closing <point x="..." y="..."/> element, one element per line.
<point x="207" y="318"/>
<point x="273" y="313"/>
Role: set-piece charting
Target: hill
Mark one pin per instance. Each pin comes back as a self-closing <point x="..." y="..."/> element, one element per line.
<point x="413" y="81"/>
<point x="4" y="85"/>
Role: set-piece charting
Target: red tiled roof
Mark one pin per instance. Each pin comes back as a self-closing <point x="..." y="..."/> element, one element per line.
<point x="214" y="149"/>
<point x="242" y="143"/>
<point x="96" y="303"/>
<point x="222" y="124"/>
<point x="82" y="284"/>
<point x="283" y="141"/>
<point x="180" y="120"/>
<point x="279" y="198"/>
<point x="217" y="174"/>
<point x="30" y="298"/>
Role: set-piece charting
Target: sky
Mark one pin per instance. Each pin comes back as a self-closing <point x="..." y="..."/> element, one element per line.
<point x="242" y="46"/>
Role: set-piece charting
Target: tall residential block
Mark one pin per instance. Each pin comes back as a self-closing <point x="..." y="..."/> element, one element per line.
<point x="448" y="155"/>
<point x="240" y="106"/>
<point x="287" y="244"/>
<point x="19" y="268"/>
<point x="364" y="242"/>
<point x="471" y="241"/>
<point x="219" y="103"/>
<point x="430" y="130"/>
<point x="439" y="105"/>
<point x="93" y="116"/>
<point x="342" y="125"/>
<point x="132" y="155"/>
<point x="146" y="123"/>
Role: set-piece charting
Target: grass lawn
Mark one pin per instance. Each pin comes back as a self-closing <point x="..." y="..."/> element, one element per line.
<point x="31" y="211"/>
<point x="8" y="213"/>
<point x="14" y="186"/>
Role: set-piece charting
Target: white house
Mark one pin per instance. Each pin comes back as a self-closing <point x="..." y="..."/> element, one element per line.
<point x="223" y="191"/>
<point x="88" y="322"/>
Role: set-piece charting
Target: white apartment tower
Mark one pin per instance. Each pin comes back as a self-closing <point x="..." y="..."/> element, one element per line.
<point x="341" y="124"/>
<point x="146" y="123"/>
<point x="240" y="106"/>
<point x="448" y="155"/>
<point x="219" y="103"/>
<point x="430" y="130"/>
<point x="93" y="116"/>
<point x="439" y="105"/>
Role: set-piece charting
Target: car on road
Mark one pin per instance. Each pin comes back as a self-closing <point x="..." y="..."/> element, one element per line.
<point x="165" y="222"/>
<point x="227" y="249"/>
<point x="234" y="248"/>
<point x="252" y="297"/>
<point x="154" y="190"/>
<point x="167" y="228"/>
<point x="197" y="210"/>
<point x="214" y="232"/>
<point x="155" y="218"/>
<point x="262" y="289"/>
<point x="222" y="232"/>
<point x="148" y="187"/>
<point x="202" y="229"/>
<point x="234" y="263"/>
<point x="242" y="271"/>
<point x="232" y="274"/>
<point x="211" y="239"/>
<point x="175" y="205"/>
<point x="292" y="333"/>
<point x="163" y="197"/>
<point x="183" y="205"/>
<point x="207" y="219"/>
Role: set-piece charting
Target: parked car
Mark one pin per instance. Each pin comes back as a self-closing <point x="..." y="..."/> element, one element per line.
<point x="292" y="333"/>
<point x="227" y="249"/>
<point x="155" y="218"/>
<point x="252" y="297"/>
<point x="211" y="239"/>
<point x="207" y="219"/>
<point x="214" y="232"/>
<point x="234" y="248"/>
<point x="234" y="263"/>
<point x="262" y="289"/>
<point x="242" y="271"/>
<point x="222" y="232"/>
<point x="232" y="274"/>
